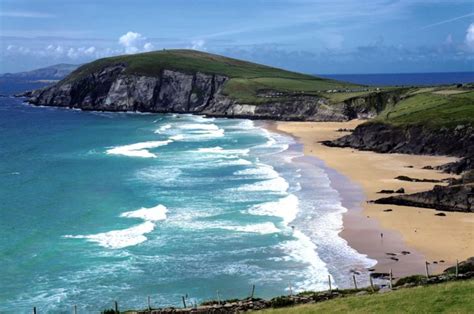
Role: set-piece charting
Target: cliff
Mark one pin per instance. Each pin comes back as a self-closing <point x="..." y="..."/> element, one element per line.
<point x="193" y="82"/>
<point x="412" y="139"/>
<point x="435" y="121"/>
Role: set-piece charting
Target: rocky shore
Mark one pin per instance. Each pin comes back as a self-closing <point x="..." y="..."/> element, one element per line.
<point x="111" y="88"/>
<point x="458" y="141"/>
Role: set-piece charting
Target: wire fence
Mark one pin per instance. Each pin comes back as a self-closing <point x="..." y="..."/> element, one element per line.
<point x="220" y="305"/>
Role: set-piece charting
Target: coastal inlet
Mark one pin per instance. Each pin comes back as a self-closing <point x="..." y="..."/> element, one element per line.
<point x="115" y="206"/>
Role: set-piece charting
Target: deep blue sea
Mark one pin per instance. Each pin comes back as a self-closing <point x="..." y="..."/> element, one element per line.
<point x="406" y="79"/>
<point x="97" y="207"/>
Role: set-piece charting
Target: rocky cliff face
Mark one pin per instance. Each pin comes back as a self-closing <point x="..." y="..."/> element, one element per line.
<point x="385" y="138"/>
<point x="111" y="89"/>
<point x="458" y="196"/>
<point x="459" y="141"/>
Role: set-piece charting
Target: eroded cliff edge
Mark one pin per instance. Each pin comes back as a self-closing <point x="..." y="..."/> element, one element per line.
<point x="111" y="88"/>
<point x="434" y="121"/>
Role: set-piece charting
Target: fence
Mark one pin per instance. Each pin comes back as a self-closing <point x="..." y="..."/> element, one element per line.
<point x="219" y="301"/>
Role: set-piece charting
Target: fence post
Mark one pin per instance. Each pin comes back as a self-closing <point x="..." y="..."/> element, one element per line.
<point x="218" y="298"/>
<point x="355" y="283"/>
<point x="149" y="303"/>
<point x="253" y="292"/>
<point x="184" y="301"/>
<point x="457" y="268"/>
<point x="391" y="279"/>
<point x="330" y="287"/>
<point x="74" y="309"/>
<point x="116" y="307"/>
<point x="426" y="269"/>
<point x="34" y="310"/>
<point x="291" y="290"/>
<point x="371" y="283"/>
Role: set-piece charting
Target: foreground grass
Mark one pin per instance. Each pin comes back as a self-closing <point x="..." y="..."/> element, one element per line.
<point x="452" y="297"/>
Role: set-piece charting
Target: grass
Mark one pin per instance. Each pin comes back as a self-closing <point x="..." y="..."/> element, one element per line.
<point x="452" y="297"/>
<point x="432" y="110"/>
<point x="246" y="78"/>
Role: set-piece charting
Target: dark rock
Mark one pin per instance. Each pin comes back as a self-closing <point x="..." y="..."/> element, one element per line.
<point x="385" y="138"/>
<point x="386" y="191"/>
<point x="380" y="275"/>
<point x="394" y="258"/>
<point x="388" y="210"/>
<point x="440" y="214"/>
<point x="405" y="178"/>
<point x="400" y="190"/>
<point x="391" y="254"/>
<point x="405" y="252"/>
<point x="428" y="168"/>
<point x="446" y="198"/>
<point x="457" y="167"/>
<point x="112" y="88"/>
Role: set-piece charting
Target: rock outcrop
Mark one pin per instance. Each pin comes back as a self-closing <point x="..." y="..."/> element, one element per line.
<point x="111" y="88"/>
<point x="385" y="138"/>
<point x="457" y="141"/>
<point x="446" y="198"/>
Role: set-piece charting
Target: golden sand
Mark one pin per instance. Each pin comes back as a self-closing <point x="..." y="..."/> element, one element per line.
<point x="416" y="230"/>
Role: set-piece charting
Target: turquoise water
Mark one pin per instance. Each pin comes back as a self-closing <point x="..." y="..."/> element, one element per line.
<point x="97" y="207"/>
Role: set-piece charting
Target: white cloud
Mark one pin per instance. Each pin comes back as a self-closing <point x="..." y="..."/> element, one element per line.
<point x="470" y="37"/>
<point x="25" y="14"/>
<point x="134" y="43"/>
<point x="148" y="47"/>
<point x="198" y="44"/>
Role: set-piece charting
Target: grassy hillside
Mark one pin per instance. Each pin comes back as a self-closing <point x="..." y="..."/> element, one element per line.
<point x="453" y="297"/>
<point x="246" y="78"/>
<point x="432" y="107"/>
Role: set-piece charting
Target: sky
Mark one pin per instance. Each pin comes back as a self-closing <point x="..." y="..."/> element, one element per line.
<point x="318" y="37"/>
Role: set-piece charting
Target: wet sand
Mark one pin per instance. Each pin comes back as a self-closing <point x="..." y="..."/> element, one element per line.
<point x="416" y="230"/>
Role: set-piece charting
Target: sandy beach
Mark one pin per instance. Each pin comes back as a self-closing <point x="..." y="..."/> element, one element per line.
<point x="438" y="240"/>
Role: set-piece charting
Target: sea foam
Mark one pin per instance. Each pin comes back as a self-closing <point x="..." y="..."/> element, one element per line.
<point x="262" y="228"/>
<point x="163" y="128"/>
<point x="117" y="239"/>
<point x="138" y="149"/>
<point x="285" y="208"/>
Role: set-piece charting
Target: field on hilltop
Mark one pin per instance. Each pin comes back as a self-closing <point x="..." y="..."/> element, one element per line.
<point x="433" y="108"/>
<point x="247" y="79"/>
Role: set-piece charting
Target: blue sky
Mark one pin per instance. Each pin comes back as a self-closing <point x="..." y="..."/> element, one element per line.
<point x="338" y="36"/>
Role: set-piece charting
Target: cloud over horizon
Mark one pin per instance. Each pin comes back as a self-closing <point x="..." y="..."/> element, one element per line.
<point x="134" y="43"/>
<point x="341" y="36"/>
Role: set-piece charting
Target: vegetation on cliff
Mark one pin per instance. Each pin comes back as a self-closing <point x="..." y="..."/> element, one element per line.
<point x="246" y="79"/>
<point x="432" y="108"/>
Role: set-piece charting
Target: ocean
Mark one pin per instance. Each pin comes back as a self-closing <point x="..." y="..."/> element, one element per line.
<point x="97" y="207"/>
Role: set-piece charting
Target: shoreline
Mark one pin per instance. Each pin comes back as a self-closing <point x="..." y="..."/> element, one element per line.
<point x="438" y="240"/>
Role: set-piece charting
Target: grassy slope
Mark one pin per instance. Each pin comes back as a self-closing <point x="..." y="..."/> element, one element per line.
<point x="246" y="78"/>
<point x="453" y="297"/>
<point x="433" y="108"/>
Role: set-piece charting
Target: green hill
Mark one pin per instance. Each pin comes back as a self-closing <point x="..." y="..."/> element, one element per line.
<point x="246" y="78"/>
<point x="433" y="108"/>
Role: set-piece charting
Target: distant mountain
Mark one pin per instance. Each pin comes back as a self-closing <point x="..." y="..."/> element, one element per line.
<point x="54" y="72"/>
